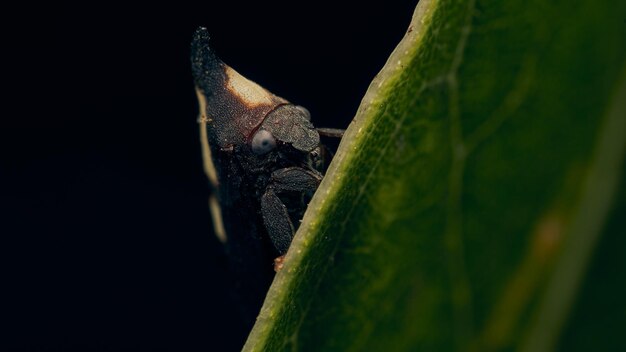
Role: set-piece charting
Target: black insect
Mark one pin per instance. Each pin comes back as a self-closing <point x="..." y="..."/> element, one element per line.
<point x="264" y="159"/>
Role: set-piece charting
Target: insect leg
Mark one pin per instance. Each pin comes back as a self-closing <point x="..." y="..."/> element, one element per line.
<point x="331" y="132"/>
<point x="295" y="179"/>
<point x="288" y="181"/>
<point x="276" y="220"/>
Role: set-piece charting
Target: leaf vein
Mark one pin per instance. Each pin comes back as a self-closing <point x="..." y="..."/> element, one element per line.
<point x="453" y="233"/>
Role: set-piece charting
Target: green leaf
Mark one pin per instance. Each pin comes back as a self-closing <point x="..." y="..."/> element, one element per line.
<point x="463" y="206"/>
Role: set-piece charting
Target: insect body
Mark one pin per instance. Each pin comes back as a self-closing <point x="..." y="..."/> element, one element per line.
<point x="264" y="159"/>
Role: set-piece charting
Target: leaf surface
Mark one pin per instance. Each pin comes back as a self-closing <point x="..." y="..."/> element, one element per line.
<point x="465" y="201"/>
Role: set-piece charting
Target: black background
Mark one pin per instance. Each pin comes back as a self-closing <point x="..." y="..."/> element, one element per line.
<point x="105" y="233"/>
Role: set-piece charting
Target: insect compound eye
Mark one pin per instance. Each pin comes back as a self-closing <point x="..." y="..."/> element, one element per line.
<point x="263" y="142"/>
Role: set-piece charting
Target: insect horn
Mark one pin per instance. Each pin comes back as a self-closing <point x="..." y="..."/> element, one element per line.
<point x="235" y="106"/>
<point x="207" y="68"/>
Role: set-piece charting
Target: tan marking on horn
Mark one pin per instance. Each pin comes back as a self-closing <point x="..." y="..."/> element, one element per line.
<point x="209" y="169"/>
<point x="250" y="93"/>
